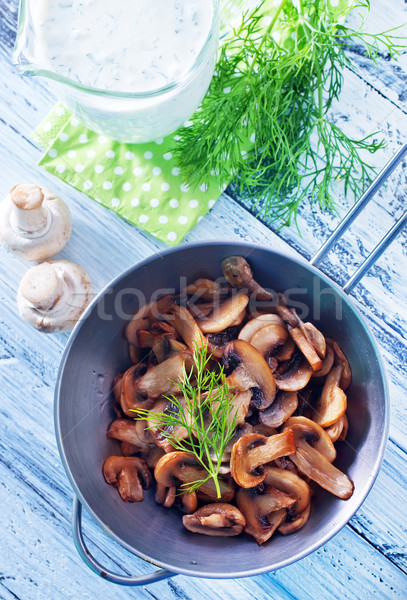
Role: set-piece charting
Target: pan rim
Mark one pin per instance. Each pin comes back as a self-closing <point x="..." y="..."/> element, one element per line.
<point x="301" y="553"/>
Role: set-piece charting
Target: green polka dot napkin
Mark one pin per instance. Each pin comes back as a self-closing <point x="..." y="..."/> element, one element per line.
<point x="140" y="182"/>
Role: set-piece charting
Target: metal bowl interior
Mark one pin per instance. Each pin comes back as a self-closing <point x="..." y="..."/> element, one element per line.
<point x="97" y="351"/>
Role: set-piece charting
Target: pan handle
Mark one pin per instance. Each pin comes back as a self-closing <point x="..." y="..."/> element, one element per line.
<point x="95" y="566"/>
<point x="351" y="216"/>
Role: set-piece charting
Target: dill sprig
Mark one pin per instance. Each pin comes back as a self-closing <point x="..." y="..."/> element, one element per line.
<point x="278" y="97"/>
<point x="206" y="411"/>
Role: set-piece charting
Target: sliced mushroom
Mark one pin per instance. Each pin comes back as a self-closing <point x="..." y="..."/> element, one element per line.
<point x="305" y="347"/>
<point x="286" y="351"/>
<point x="313" y="434"/>
<point x="182" y="467"/>
<point x="254" y="450"/>
<point x="187" y="327"/>
<point x="337" y="431"/>
<point x="227" y="314"/>
<point x="189" y="502"/>
<point x="129" y="431"/>
<point x="292" y="484"/>
<point x="165" y="495"/>
<point x="315" y="338"/>
<point x="327" y="363"/>
<point x="249" y="372"/>
<point x="237" y="271"/>
<point x="253" y="326"/>
<point x="313" y="463"/>
<point x="128" y="449"/>
<point x="282" y="408"/>
<point x="219" y="519"/>
<point x="293" y="375"/>
<point x="269" y="339"/>
<point x="290" y="525"/>
<point x="206" y="289"/>
<point x="160" y="380"/>
<point x="331" y="405"/>
<point x="130" y="475"/>
<point x="340" y="359"/>
<point x="264" y="508"/>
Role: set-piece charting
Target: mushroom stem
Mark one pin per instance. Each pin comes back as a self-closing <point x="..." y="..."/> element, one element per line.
<point x="29" y="217"/>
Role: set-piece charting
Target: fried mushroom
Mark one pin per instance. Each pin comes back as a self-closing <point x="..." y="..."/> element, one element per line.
<point x="129" y="474"/>
<point x="254" y="450"/>
<point x="217" y="519"/>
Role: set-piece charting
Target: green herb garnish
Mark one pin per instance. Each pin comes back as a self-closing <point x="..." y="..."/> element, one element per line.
<point x="279" y="96"/>
<point x="207" y="413"/>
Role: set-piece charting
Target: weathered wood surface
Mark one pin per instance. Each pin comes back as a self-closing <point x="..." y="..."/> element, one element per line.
<point x="367" y="559"/>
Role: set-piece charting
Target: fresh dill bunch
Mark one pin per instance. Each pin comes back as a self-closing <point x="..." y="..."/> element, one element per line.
<point x="264" y="124"/>
<point x="207" y="413"/>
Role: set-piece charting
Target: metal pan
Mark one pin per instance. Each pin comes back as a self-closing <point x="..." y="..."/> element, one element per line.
<point x="97" y="351"/>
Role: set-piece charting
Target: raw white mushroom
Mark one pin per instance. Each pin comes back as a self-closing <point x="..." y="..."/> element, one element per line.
<point x="34" y="223"/>
<point x="53" y="295"/>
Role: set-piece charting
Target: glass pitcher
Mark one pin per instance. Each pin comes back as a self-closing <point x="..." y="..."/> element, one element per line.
<point x="127" y="117"/>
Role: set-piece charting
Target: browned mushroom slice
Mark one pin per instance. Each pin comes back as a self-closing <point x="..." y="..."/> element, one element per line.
<point x="292" y="484"/>
<point x="306" y="348"/>
<point x="249" y="372"/>
<point x="219" y="519"/>
<point x="315" y="338"/>
<point x="264" y="508"/>
<point x="288" y="315"/>
<point x="130" y="432"/>
<point x="206" y="289"/>
<point x="254" y="450"/>
<point x="186" y="327"/>
<point x="189" y="502"/>
<point x="286" y="351"/>
<point x="290" y="525"/>
<point x="253" y="326"/>
<point x="294" y="374"/>
<point x="313" y="434"/>
<point x="161" y="380"/>
<point x="128" y="393"/>
<point x="225" y="315"/>
<point x="165" y="496"/>
<point x="129" y="474"/>
<point x="282" y="408"/>
<point x="314" y="464"/>
<point x="237" y="271"/>
<point x="159" y="432"/>
<point x="139" y="321"/>
<point x="182" y="467"/>
<point x="337" y="431"/>
<point x="340" y="359"/>
<point x="269" y="339"/>
<point x="327" y="363"/>
<point x="331" y="407"/>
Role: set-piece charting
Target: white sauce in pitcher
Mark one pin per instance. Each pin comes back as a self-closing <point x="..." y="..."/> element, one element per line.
<point x="123" y="45"/>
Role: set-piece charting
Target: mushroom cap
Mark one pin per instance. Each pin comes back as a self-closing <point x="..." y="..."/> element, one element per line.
<point x="282" y="408"/>
<point x="238" y="273"/>
<point x="182" y="467"/>
<point x="230" y="312"/>
<point x="254" y="450"/>
<point x="294" y="375"/>
<point x="53" y="295"/>
<point x="129" y="475"/>
<point x="37" y="245"/>
<point x="249" y="371"/>
<point x="217" y="519"/>
<point x="253" y="326"/>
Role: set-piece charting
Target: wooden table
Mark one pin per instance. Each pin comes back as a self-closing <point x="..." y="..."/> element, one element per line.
<point x="367" y="559"/>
